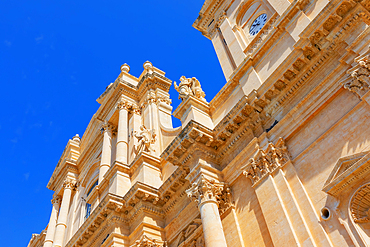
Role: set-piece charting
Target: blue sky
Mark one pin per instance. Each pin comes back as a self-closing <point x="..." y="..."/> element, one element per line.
<point x="56" y="58"/>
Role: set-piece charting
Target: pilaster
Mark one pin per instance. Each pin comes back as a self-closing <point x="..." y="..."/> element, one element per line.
<point x="69" y="185"/>
<point x="53" y="221"/>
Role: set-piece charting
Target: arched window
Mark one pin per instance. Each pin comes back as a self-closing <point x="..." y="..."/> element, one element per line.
<point x="88" y="205"/>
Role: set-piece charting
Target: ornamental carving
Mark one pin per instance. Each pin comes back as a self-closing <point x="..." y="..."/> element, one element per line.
<point x="70" y="184"/>
<point x="153" y="98"/>
<point x="189" y="87"/>
<point x="107" y="127"/>
<point x="360" y="205"/>
<point x="360" y="81"/>
<point x="145" y="241"/>
<point x="266" y="161"/>
<point x="205" y="190"/>
<point x="146" y="139"/>
<point x="128" y="106"/>
<point x="56" y="199"/>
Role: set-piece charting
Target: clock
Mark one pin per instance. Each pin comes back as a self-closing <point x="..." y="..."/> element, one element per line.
<point x="257" y="24"/>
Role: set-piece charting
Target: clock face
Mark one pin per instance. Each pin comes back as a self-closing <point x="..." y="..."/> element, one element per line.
<point x="257" y="24"/>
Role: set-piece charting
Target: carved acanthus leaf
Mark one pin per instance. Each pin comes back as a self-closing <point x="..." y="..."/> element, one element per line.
<point x="70" y="184"/>
<point x="360" y="81"/>
<point x="266" y="161"/>
<point x="204" y="190"/>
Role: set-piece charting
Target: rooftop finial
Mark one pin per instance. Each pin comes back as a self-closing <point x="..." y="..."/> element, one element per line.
<point x="76" y="138"/>
<point x="125" y="68"/>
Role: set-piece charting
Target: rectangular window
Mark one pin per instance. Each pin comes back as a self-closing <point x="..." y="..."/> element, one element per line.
<point x="88" y="210"/>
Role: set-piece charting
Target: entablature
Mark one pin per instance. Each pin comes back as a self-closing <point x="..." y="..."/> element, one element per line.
<point x="67" y="164"/>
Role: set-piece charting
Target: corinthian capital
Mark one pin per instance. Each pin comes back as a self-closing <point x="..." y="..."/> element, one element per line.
<point x="56" y="199"/>
<point x="70" y="184"/>
<point x="266" y="161"/>
<point x="106" y="127"/>
<point x="123" y="105"/>
<point x="205" y="190"/>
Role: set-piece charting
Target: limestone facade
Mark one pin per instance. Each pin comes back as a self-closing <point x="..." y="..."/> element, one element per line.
<point x="279" y="157"/>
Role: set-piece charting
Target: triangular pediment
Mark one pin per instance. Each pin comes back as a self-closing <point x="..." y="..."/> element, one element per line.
<point x="347" y="167"/>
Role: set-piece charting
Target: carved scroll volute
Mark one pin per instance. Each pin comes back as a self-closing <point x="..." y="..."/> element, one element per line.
<point x="359" y="82"/>
<point x="56" y="200"/>
<point x="266" y="161"/>
<point x="70" y="184"/>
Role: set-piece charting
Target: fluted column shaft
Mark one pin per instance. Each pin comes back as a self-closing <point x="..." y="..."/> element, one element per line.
<point x="106" y="151"/>
<point x="63" y="214"/>
<point x="205" y="192"/>
<point x="122" y="134"/>
<point x="52" y="222"/>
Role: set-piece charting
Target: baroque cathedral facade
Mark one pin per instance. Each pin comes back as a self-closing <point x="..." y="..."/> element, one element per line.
<point x="279" y="157"/>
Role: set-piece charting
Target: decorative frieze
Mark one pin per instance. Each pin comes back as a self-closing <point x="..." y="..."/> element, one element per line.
<point x="266" y="161"/>
<point x="360" y="205"/>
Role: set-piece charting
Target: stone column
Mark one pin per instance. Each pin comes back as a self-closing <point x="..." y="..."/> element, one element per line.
<point x="52" y="222"/>
<point x="61" y="226"/>
<point x="122" y="133"/>
<point x="205" y="193"/>
<point x="106" y="151"/>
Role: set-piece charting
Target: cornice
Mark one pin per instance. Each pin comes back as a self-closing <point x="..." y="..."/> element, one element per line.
<point x="109" y="204"/>
<point x="207" y="16"/>
<point x="67" y="163"/>
<point x="348" y="176"/>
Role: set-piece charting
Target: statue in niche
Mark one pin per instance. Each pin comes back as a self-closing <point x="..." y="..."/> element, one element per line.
<point x="189" y="86"/>
<point x="145" y="140"/>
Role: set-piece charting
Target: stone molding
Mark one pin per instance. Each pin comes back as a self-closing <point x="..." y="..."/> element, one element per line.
<point x="360" y="204"/>
<point x="265" y="162"/>
<point x="346" y="172"/>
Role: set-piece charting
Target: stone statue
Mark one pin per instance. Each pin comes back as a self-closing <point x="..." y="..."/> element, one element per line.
<point x="145" y="138"/>
<point x="189" y="86"/>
